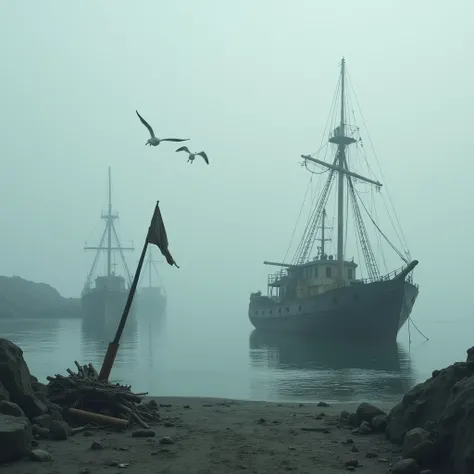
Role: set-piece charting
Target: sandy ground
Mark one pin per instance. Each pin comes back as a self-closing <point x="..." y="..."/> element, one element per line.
<point x="222" y="436"/>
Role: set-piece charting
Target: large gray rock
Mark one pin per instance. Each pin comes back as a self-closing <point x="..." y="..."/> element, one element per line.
<point x="444" y="406"/>
<point x="16" y="378"/>
<point x="15" y="437"/>
<point x="366" y="411"/>
<point x="425" y="402"/>
<point x="10" y="408"/>
<point x="456" y="427"/>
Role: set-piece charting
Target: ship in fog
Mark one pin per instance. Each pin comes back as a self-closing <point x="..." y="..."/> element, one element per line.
<point x="104" y="296"/>
<point x="328" y="294"/>
<point x="151" y="298"/>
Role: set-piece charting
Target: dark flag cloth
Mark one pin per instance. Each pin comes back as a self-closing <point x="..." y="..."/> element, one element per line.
<point x="157" y="235"/>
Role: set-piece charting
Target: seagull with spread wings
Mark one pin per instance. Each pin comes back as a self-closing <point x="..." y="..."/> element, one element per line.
<point x="154" y="140"/>
<point x="192" y="156"/>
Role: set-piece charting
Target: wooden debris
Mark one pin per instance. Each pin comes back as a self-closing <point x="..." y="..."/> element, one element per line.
<point x="82" y="395"/>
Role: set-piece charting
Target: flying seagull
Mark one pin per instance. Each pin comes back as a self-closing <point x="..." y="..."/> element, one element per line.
<point x="193" y="155"/>
<point x="154" y="140"/>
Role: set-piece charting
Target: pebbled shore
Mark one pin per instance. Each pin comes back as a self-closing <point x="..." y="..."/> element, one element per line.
<point x="208" y="435"/>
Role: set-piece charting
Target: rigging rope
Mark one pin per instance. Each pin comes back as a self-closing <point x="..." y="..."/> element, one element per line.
<point x="403" y="240"/>
<point x="383" y="235"/>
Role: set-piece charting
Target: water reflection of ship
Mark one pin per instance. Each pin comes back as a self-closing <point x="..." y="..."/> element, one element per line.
<point x="151" y="298"/>
<point x="98" y="334"/>
<point x="307" y="369"/>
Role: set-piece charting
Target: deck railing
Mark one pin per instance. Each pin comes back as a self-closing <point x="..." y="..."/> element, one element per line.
<point x="274" y="277"/>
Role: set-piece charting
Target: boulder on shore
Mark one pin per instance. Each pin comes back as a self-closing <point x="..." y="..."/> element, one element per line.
<point x="16" y="380"/>
<point x="15" y="437"/>
<point x="435" y="419"/>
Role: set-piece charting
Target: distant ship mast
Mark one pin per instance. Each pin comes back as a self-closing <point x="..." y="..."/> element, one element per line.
<point x="111" y="233"/>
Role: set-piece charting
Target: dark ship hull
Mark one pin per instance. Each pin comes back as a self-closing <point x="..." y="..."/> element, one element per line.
<point x="360" y="311"/>
<point x="150" y="300"/>
<point x="103" y="308"/>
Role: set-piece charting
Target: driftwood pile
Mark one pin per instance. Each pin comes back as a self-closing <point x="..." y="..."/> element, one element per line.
<point x="83" y="396"/>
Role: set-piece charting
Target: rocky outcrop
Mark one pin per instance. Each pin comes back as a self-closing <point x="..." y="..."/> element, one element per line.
<point x="435" y="420"/>
<point x="15" y="438"/>
<point x="20" y="298"/>
<point x="16" y="380"/>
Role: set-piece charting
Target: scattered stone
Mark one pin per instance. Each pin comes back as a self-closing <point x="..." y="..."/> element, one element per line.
<point x="261" y="421"/>
<point x="366" y="411"/>
<point x="166" y="440"/>
<point x="15" y="437"/>
<point x="323" y="404"/>
<point x="315" y="429"/>
<point x="379" y="423"/>
<point x="96" y="446"/>
<point x="344" y="416"/>
<point x="371" y="455"/>
<point x="88" y="434"/>
<point x="40" y="455"/>
<point x="354" y="449"/>
<point x="291" y="448"/>
<point x="10" y="408"/>
<point x="43" y="420"/>
<point x="353" y="419"/>
<point x="352" y="463"/>
<point x="59" y="430"/>
<point x="169" y="424"/>
<point x="364" y="428"/>
<point x="406" y="466"/>
<point x="42" y="433"/>
<point x="143" y="434"/>
<point x="348" y="441"/>
<point x="419" y="446"/>
<point x="427" y="471"/>
<point x="186" y="406"/>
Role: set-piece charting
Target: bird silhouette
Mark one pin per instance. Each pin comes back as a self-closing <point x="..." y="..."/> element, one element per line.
<point x="154" y="140"/>
<point x="192" y="156"/>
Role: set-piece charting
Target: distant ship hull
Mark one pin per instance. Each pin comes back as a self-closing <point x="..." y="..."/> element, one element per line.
<point x="103" y="308"/>
<point x="360" y="312"/>
<point x="151" y="300"/>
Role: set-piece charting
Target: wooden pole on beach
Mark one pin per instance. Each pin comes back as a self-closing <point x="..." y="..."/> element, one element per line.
<point x="157" y="236"/>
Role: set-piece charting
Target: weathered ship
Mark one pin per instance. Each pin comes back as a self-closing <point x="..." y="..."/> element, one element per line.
<point x="151" y="299"/>
<point x="323" y="295"/>
<point x="103" y="298"/>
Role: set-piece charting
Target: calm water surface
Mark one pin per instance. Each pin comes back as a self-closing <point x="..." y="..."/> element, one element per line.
<point x="177" y="355"/>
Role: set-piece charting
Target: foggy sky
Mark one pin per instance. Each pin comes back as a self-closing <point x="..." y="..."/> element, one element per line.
<point x="250" y="82"/>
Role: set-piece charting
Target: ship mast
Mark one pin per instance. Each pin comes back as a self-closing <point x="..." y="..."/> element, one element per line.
<point x="111" y="233"/>
<point x="109" y="223"/>
<point x="339" y="167"/>
<point x="340" y="183"/>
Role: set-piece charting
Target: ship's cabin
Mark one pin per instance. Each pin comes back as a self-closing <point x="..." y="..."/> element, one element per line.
<point x="112" y="282"/>
<point x="312" y="278"/>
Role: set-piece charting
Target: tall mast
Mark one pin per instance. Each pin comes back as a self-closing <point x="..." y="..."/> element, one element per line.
<point x="109" y="229"/>
<point x="111" y="234"/>
<point x="340" y="188"/>
<point x="323" y="233"/>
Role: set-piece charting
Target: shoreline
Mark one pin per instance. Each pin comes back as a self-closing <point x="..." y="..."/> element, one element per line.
<point x="206" y="435"/>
